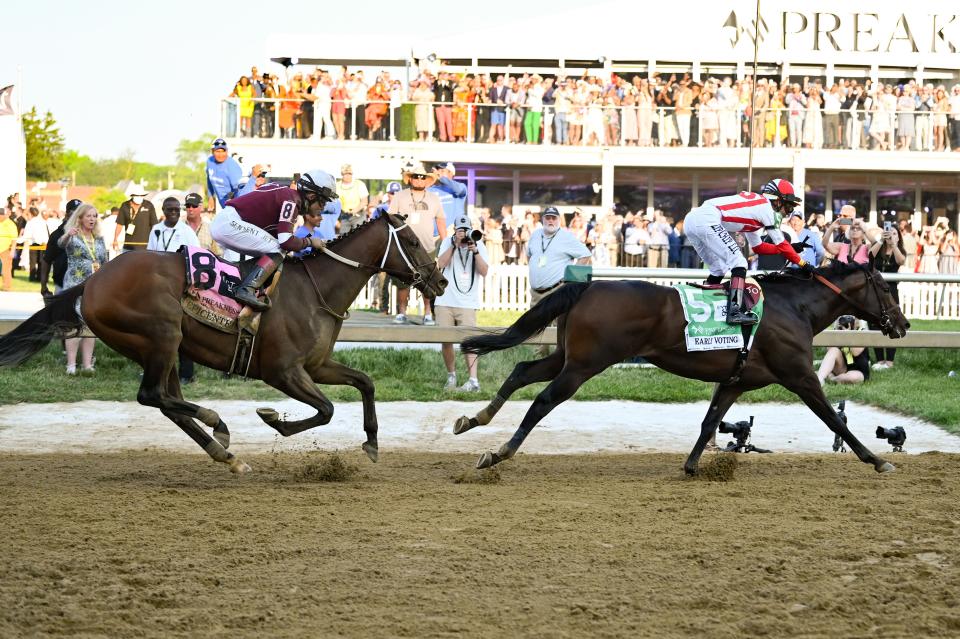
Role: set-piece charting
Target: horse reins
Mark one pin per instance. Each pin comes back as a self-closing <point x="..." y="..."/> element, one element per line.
<point x="392" y="239"/>
<point x="883" y="319"/>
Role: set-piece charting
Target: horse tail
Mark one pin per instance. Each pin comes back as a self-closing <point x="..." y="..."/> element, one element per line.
<point x="58" y="316"/>
<point x="531" y="323"/>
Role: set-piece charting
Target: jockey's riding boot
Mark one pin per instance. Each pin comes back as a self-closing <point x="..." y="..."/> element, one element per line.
<point x="257" y="277"/>
<point x="735" y="314"/>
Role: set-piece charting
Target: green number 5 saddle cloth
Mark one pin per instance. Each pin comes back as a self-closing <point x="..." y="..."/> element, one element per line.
<point x="705" y="310"/>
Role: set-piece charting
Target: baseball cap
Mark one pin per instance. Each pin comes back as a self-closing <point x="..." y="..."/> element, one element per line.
<point x="445" y="165"/>
<point x="73" y="205"/>
<point x="550" y="210"/>
<point x="219" y="143"/>
<point x="462" y="222"/>
<point x="394" y="187"/>
<point x="193" y="199"/>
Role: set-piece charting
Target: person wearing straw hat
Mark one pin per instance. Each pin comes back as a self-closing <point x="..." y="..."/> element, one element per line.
<point x="135" y="219"/>
<point x="423" y="210"/>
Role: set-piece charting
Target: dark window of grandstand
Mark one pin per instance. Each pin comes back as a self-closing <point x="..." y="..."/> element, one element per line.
<point x="896" y="197"/>
<point x="849" y="188"/>
<point x="673" y="192"/>
<point x="630" y="189"/>
<point x="560" y="186"/>
<point x="939" y="204"/>
<point x="938" y="197"/>
<point x="630" y="197"/>
<point x="494" y="195"/>
<point x="718" y="184"/>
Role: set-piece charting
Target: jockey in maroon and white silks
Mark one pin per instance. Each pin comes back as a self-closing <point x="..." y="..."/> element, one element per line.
<point x="752" y="214"/>
<point x="262" y="223"/>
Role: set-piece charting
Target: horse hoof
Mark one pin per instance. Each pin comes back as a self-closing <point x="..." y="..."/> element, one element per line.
<point x="268" y="415"/>
<point x="487" y="460"/>
<point x="238" y="467"/>
<point x="886" y="467"/>
<point x="691" y="471"/>
<point x="371" y="451"/>
<point x="462" y="425"/>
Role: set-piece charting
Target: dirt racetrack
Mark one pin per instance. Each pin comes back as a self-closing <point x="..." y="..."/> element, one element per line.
<point x="166" y="544"/>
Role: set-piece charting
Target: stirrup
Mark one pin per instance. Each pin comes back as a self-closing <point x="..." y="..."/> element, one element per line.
<point x="737" y="317"/>
<point x="249" y="297"/>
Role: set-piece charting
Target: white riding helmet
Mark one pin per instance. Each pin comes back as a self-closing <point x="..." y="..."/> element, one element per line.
<point x="319" y="184"/>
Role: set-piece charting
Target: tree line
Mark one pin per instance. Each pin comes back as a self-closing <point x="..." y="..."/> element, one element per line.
<point x="49" y="160"/>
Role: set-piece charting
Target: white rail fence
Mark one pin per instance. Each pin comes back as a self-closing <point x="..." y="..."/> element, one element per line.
<point x="507" y="288"/>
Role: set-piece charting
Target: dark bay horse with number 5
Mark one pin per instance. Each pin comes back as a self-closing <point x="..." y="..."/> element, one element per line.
<point x="133" y="305"/>
<point x="609" y="321"/>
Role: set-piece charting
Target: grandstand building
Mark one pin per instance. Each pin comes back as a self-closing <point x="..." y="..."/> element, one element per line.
<point x="885" y="42"/>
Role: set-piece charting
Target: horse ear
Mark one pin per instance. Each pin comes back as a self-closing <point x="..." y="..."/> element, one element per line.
<point x="401" y="217"/>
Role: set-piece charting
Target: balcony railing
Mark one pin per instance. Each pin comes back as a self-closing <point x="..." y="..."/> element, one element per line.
<point x="590" y="125"/>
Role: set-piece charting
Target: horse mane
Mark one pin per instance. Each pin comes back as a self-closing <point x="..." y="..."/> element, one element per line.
<point x="835" y="268"/>
<point x="339" y="238"/>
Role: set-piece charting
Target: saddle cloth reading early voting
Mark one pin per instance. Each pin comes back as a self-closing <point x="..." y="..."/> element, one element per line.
<point x="706" y="313"/>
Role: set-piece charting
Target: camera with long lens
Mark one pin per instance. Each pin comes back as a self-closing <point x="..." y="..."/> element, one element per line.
<point x="472" y="236"/>
<point x="846" y="322"/>
<point x="894" y="436"/>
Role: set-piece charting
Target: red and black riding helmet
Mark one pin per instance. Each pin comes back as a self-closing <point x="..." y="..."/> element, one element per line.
<point x="782" y="191"/>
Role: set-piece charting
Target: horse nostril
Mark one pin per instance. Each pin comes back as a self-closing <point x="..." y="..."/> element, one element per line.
<point x="443" y="281"/>
<point x="908" y="324"/>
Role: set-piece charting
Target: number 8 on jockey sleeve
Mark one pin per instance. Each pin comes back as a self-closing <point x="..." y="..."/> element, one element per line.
<point x="262" y="223"/>
<point x="709" y="229"/>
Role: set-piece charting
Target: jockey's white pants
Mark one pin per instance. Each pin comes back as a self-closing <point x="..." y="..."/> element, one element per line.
<point x="231" y="232"/>
<point x="715" y="246"/>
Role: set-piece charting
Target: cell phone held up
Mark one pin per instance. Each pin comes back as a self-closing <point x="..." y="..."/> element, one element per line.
<point x="845" y="221"/>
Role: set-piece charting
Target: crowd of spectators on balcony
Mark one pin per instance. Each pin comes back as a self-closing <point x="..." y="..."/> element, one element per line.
<point x="590" y="110"/>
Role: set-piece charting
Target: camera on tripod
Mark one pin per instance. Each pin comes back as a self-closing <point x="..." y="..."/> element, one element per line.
<point x="838" y="446"/>
<point x="894" y="436"/>
<point x="741" y="436"/>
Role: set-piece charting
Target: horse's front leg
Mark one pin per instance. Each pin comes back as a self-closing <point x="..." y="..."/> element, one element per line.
<point x="295" y="382"/>
<point x="524" y="374"/>
<point x="809" y="390"/>
<point x="335" y="373"/>
<point x="723" y="399"/>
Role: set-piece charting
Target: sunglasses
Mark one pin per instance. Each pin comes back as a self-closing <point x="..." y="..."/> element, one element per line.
<point x="192" y="206"/>
<point x="418" y="176"/>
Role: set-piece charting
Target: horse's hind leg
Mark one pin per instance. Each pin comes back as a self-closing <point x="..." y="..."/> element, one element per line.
<point x="809" y="390"/>
<point x="558" y="391"/>
<point x="524" y="374"/>
<point x="215" y="446"/>
<point x="723" y="399"/>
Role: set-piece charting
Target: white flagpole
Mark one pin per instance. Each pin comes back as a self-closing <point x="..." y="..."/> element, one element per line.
<point x="753" y="100"/>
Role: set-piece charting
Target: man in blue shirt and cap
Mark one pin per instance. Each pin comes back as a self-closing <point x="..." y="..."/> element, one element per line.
<point x="392" y="189"/>
<point x="223" y="174"/>
<point x="453" y="194"/>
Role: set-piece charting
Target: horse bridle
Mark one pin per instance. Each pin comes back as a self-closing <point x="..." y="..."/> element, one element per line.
<point x="415" y="274"/>
<point x="883" y="319"/>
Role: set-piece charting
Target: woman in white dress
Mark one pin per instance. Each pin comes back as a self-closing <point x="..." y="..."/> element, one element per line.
<point x="593" y="128"/>
<point x="628" y="120"/>
<point x="645" y="114"/>
<point x="879" y="121"/>
<point x="813" y="120"/>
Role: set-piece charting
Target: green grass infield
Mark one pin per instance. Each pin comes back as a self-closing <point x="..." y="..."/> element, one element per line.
<point x="918" y="385"/>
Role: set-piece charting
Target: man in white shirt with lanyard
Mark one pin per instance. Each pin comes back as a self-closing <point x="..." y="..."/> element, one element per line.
<point x="549" y="251"/>
<point x="463" y="262"/>
<point x="171" y="234"/>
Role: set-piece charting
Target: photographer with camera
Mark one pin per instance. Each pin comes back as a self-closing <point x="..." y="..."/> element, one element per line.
<point x="463" y="261"/>
<point x="888" y="256"/>
<point x="845" y="365"/>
